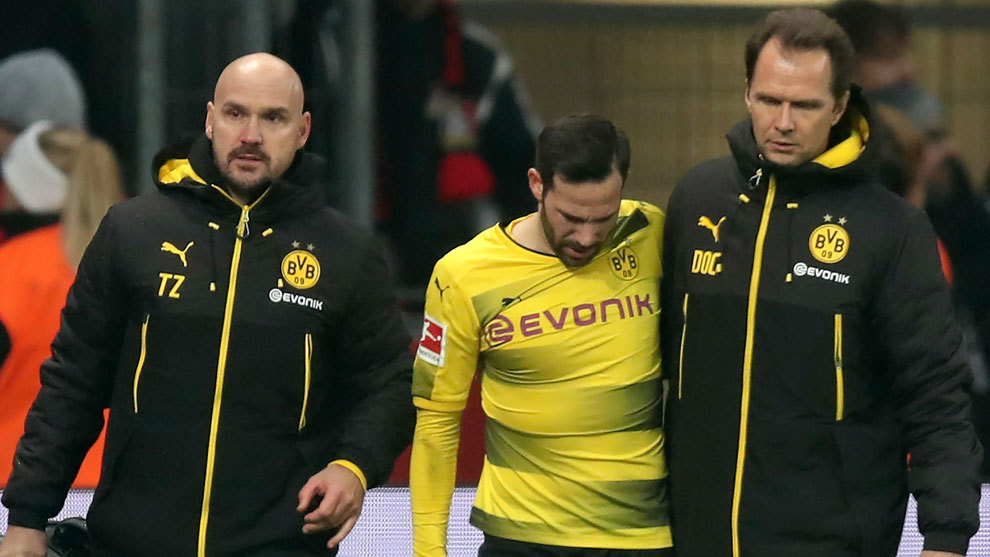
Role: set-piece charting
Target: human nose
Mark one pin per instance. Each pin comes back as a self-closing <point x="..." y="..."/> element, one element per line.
<point x="251" y="132"/>
<point x="586" y="234"/>
<point x="785" y="120"/>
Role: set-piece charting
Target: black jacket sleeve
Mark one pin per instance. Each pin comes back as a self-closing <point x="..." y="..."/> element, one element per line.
<point x="377" y="365"/>
<point x="925" y="354"/>
<point x="76" y="382"/>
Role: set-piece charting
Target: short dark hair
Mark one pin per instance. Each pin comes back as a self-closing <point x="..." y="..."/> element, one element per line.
<point x="805" y="29"/>
<point x="874" y="29"/>
<point x="581" y="148"/>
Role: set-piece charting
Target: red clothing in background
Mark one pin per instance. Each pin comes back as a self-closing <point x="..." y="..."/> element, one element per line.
<point x="34" y="281"/>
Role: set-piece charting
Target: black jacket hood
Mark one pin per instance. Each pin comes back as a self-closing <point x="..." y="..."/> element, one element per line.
<point x="189" y="165"/>
<point x="847" y="161"/>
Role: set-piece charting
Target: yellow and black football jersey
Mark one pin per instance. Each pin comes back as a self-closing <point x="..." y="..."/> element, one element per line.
<point x="570" y="386"/>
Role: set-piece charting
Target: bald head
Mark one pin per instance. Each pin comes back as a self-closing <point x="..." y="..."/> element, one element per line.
<point x="256" y="122"/>
<point x="261" y="71"/>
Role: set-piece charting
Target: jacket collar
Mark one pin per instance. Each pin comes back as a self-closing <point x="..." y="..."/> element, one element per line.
<point x="189" y="166"/>
<point x="846" y="161"/>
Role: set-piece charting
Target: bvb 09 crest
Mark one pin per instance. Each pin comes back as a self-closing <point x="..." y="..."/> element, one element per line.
<point x="300" y="269"/>
<point x="624" y="263"/>
<point x="829" y="243"/>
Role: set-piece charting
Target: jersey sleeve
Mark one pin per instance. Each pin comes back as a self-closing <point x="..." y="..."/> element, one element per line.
<point x="432" y="474"/>
<point x="447" y="355"/>
<point x="446" y="359"/>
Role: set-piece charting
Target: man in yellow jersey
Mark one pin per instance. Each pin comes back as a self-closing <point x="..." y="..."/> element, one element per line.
<point x="559" y="309"/>
<point x="246" y="340"/>
<point x="817" y="374"/>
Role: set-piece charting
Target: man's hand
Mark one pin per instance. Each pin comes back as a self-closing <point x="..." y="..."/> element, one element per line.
<point x="342" y="496"/>
<point x="23" y="542"/>
<point x="930" y="553"/>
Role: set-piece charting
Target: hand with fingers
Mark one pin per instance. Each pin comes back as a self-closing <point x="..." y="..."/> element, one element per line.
<point x="340" y="494"/>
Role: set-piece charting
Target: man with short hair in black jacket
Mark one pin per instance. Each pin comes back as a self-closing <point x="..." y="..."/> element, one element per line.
<point x="817" y="373"/>
<point x="244" y="337"/>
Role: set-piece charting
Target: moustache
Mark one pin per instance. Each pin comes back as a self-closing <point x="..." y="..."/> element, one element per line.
<point x="252" y="150"/>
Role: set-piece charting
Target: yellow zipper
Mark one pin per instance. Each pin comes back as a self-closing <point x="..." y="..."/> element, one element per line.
<point x="228" y="313"/>
<point x="840" y="389"/>
<point x="140" y="363"/>
<point x="308" y="376"/>
<point x="754" y="289"/>
<point x="680" y="365"/>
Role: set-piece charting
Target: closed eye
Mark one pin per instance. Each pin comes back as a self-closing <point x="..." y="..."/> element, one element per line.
<point x="768" y="100"/>
<point x="574" y="219"/>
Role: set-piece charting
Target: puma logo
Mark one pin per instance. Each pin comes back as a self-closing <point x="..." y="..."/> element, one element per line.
<point x="436" y="281"/>
<point x="170" y="248"/>
<point x="707" y="223"/>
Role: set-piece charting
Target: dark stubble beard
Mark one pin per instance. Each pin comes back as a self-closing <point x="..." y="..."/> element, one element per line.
<point x="240" y="189"/>
<point x="244" y="190"/>
<point x="555" y="245"/>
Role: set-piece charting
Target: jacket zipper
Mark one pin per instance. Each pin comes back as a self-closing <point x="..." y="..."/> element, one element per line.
<point x="140" y="362"/>
<point x="228" y="313"/>
<point x="840" y="394"/>
<point x="307" y="377"/>
<point x="680" y="364"/>
<point x="754" y="290"/>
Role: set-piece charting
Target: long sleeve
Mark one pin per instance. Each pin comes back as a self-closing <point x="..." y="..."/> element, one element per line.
<point x="432" y="475"/>
<point x="442" y="373"/>
<point x="925" y="354"/>
<point x="375" y="356"/>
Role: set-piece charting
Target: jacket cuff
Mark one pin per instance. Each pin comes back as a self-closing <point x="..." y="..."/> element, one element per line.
<point x="353" y="468"/>
<point x="361" y="462"/>
<point x="947" y="541"/>
<point x="27" y="518"/>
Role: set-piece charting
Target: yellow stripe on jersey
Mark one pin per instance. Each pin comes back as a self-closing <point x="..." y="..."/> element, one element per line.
<point x="632" y="455"/>
<point x="568" y="411"/>
<point x="570" y="384"/>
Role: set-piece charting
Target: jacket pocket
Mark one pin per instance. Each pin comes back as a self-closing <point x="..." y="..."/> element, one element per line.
<point x="840" y="389"/>
<point x="680" y="358"/>
<point x="307" y="377"/>
<point x="140" y="362"/>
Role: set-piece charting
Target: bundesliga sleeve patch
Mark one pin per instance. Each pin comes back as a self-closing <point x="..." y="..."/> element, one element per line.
<point x="433" y="342"/>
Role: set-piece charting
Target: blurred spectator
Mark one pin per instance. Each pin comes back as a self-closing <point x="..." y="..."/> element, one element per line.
<point x="79" y="31"/>
<point x="454" y="134"/>
<point x="47" y="170"/>
<point x="885" y="68"/>
<point x="34" y="85"/>
<point x="886" y="72"/>
<point x="881" y="35"/>
<point x="901" y="150"/>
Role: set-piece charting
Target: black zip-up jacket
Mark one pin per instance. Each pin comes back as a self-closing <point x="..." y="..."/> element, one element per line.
<point x="809" y="340"/>
<point x="239" y="349"/>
